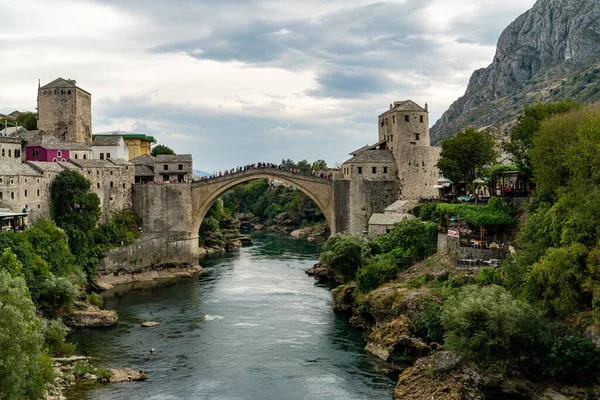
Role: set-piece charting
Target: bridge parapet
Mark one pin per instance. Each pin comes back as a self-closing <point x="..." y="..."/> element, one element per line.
<point x="274" y="172"/>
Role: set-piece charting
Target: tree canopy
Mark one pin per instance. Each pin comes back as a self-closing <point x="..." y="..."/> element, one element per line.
<point x="466" y="156"/>
<point x="28" y="120"/>
<point x="161" y="149"/>
<point x="528" y="123"/>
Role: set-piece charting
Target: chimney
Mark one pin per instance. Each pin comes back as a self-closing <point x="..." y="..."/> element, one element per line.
<point x="426" y="107"/>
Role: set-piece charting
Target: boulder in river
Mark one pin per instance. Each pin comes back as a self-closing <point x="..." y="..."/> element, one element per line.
<point x="126" y="375"/>
<point x="150" y="324"/>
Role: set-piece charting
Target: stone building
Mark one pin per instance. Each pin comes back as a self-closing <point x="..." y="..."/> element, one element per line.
<point x="65" y="111"/>
<point x="137" y="144"/>
<point x="110" y="147"/>
<point x="10" y="150"/>
<point x="400" y="166"/>
<point x="163" y="168"/>
<point x="47" y="148"/>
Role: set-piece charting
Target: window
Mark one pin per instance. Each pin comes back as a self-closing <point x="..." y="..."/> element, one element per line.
<point x="25" y="192"/>
<point x="111" y="172"/>
<point x="54" y="160"/>
<point x="85" y="156"/>
<point x="373" y="170"/>
<point x="107" y="156"/>
<point x="102" y="156"/>
<point x="417" y="136"/>
<point x="98" y="185"/>
<point x="385" y="170"/>
<point x="38" y="206"/>
<point x="63" y="160"/>
<point x="393" y="119"/>
<point x="59" y="153"/>
<point x="360" y="170"/>
<point x="165" y="167"/>
<point x="36" y="153"/>
<point x="38" y="192"/>
<point x="380" y="123"/>
<point x="406" y="118"/>
<point x="12" y="195"/>
<point x="0" y="195"/>
<point x="97" y="172"/>
<point x="112" y="184"/>
<point x="11" y="181"/>
<point x="68" y="92"/>
<point x="386" y="122"/>
<point x="421" y="118"/>
<point x="391" y="138"/>
<point x="3" y="153"/>
<point x="123" y="186"/>
<point x="9" y="152"/>
<point x="76" y="156"/>
<point x="180" y="167"/>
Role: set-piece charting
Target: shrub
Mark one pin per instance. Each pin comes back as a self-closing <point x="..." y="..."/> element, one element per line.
<point x="418" y="238"/>
<point x="488" y="324"/>
<point x="572" y="360"/>
<point x="95" y="299"/>
<point x="55" y="333"/>
<point x="429" y="324"/>
<point x="81" y="368"/>
<point x="209" y="225"/>
<point x="489" y="276"/>
<point x="343" y="255"/>
<point x="376" y="271"/>
<point x="57" y="295"/>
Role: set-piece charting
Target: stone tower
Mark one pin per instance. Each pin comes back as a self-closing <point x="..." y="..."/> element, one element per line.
<point x="65" y="111"/>
<point x="404" y="124"/>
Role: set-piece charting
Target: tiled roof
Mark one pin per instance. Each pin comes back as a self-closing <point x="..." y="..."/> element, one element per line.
<point x="388" y="219"/>
<point x="109" y="140"/>
<point x="119" y="162"/>
<point x="61" y="83"/>
<point x="174" y="158"/>
<point x="46" y="166"/>
<point x="397" y="205"/>
<point x="94" y="163"/>
<point x="367" y="147"/>
<point x="51" y="142"/>
<point x="12" y="130"/>
<point x="127" y="135"/>
<point x="143" y="170"/>
<point x="18" y="169"/>
<point x="406" y="105"/>
<point x="146" y="159"/>
<point x="373" y="156"/>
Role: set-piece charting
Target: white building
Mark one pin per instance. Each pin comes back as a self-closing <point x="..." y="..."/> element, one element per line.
<point x="110" y="147"/>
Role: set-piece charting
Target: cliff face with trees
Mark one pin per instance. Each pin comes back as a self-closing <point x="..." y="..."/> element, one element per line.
<point x="549" y="53"/>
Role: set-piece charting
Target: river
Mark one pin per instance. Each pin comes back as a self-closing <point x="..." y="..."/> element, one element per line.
<point x="252" y="326"/>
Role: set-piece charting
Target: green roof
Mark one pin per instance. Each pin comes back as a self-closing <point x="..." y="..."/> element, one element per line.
<point x="128" y="135"/>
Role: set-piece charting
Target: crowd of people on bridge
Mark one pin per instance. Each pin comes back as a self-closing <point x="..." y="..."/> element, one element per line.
<point x="259" y="165"/>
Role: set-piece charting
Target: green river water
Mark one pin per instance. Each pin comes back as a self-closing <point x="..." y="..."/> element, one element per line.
<point x="252" y="326"/>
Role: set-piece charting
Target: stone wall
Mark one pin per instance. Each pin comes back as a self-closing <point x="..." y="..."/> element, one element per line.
<point x="418" y="172"/>
<point x="83" y="118"/>
<point x="56" y="112"/>
<point x="152" y="252"/>
<point x="370" y="171"/>
<point x="366" y="198"/>
<point x="165" y="208"/>
<point x="341" y="204"/>
<point x="451" y="246"/>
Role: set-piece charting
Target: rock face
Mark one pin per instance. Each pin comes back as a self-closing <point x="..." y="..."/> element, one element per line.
<point x="126" y="375"/>
<point x="546" y="54"/>
<point x="89" y="316"/>
<point x="442" y="376"/>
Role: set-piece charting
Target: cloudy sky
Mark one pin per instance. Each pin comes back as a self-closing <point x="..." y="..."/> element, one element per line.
<point x="237" y="81"/>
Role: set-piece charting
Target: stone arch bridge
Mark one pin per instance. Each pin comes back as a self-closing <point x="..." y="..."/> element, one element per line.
<point x="205" y="192"/>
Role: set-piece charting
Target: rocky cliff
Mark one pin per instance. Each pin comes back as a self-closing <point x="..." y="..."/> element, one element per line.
<point x="549" y="53"/>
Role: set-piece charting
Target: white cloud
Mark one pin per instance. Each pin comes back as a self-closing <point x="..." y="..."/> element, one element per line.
<point x="321" y="78"/>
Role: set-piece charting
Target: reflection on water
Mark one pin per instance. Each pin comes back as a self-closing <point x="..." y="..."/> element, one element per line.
<point x="253" y="326"/>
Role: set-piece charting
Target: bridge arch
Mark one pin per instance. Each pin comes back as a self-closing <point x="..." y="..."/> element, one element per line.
<point x="205" y="193"/>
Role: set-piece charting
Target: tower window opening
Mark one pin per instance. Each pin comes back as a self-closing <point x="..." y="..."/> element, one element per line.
<point x="406" y="118"/>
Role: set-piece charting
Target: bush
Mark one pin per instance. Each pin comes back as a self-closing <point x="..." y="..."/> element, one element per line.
<point x="343" y="255"/>
<point x="376" y="271"/>
<point x="488" y="324"/>
<point x="81" y="368"/>
<point x="418" y="238"/>
<point x="57" y="295"/>
<point x="209" y="225"/>
<point x="573" y="360"/>
<point x="95" y="299"/>
<point x="489" y="276"/>
<point x="55" y="333"/>
<point x="429" y="324"/>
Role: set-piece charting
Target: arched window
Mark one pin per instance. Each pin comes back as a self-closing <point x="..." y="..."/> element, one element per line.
<point x="3" y="153"/>
<point x="38" y="192"/>
<point x="54" y="160"/>
<point x="25" y="192"/>
<point x="76" y="156"/>
<point x="12" y="195"/>
<point x="63" y="160"/>
<point x="85" y="156"/>
<point x="9" y="152"/>
<point x="59" y="153"/>
<point x="98" y="185"/>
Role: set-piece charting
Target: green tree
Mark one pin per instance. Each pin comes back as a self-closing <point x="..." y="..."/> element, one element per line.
<point x="466" y="156"/>
<point x="28" y="120"/>
<point x="417" y="238"/>
<point x="10" y="263"/>
<point x="377" y="270"/>
<point x="528" y="123"/>
<point x="343" y="255"/>
<point x="76" y="210"/>
<point x="24" y="368"/>
<point x="51" y="243"/>
<point x="319" y="165"/>
<point x="304" y="167"/>
<point x="161" y="149"/>
<point x="488" y="324"/>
